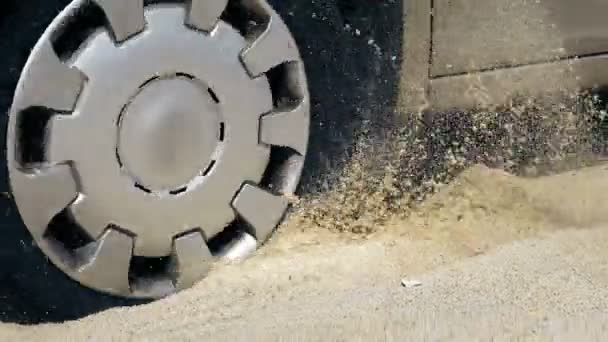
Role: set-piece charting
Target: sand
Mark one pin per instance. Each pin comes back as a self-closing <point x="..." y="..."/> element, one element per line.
<point x="496" y="255"/>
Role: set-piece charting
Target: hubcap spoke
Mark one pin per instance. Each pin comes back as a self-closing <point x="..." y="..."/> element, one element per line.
<point x="204" y="14"/>
<point x="275" y="46"/>
<point x="50" y="83"/>
<point x="261" y="209"/>
<point x="88" y="216"/>
<point x="111" y="257"/>
<point x="152" y="245"/>
<point x="289" y="128"/>
<point x="61" y="139"/>
<point x="126" y="17"/>
<point x="193" y="259"/>
<point x="46" y="192"/>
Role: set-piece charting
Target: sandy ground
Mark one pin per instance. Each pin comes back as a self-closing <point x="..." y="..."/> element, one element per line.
<point x="497" y="256"/>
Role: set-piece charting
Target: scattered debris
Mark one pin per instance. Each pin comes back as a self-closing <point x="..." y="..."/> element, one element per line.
<point x="395" y="167"/>
<point x="408" y="284"/>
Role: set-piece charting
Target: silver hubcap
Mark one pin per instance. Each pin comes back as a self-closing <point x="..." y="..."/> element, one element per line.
<point x="159" y="129"/>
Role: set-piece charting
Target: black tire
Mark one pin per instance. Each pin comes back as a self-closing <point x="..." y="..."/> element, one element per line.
<point x="352" y="51"/>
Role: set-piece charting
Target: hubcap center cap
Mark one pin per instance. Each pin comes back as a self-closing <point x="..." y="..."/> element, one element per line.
<point x="168" y="133"/>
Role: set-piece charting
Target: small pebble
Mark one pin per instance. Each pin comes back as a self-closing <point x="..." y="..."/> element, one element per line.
<point x="408" y="284"/>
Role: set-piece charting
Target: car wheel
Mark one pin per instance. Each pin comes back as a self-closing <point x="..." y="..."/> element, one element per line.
<point x="148" y="138"/>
